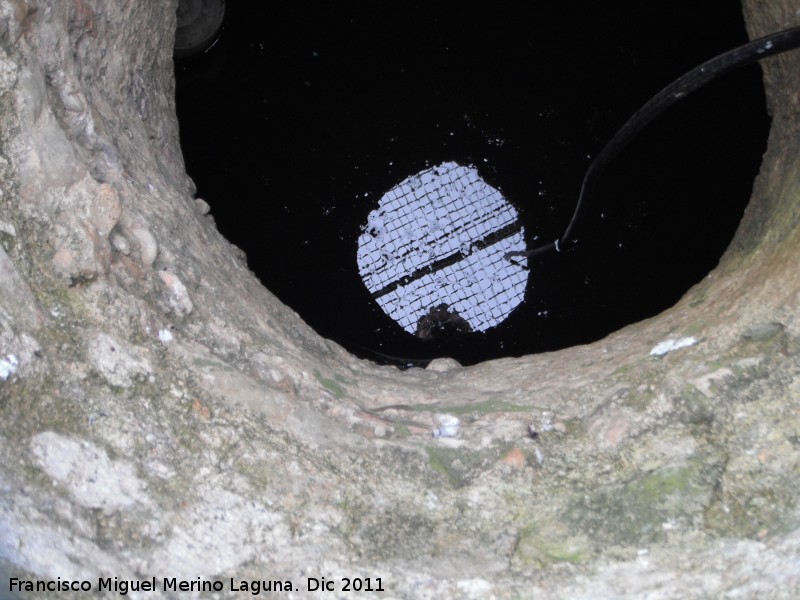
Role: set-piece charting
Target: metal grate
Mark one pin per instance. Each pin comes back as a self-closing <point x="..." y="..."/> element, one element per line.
<point x="439" y="238"/>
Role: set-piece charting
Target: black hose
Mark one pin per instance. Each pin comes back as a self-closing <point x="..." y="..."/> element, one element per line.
<point x="775" y="43"/>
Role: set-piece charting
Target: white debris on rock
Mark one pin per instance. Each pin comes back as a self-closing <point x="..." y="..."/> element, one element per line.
<point x="667" y="346"/>
<point x="8" y="366"/>
<point x="448" y="426"/>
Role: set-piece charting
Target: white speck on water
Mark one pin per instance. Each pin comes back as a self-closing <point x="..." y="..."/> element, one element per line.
<point x="448" y="426"/>
<point x="662" y="348"/>
<point x="8" y="366"/>
<point x="165" y="335"/>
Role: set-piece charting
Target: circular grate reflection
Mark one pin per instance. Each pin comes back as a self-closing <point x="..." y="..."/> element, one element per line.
<point x="432" y="252"/>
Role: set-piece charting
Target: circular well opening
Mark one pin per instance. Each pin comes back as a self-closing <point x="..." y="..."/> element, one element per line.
<point x="295" y="128"/>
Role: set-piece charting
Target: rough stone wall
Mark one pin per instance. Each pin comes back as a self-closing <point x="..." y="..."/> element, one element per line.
<point x="161" y="414"/>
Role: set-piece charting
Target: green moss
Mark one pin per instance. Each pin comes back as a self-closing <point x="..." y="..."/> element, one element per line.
<point x="751" y="514"/>
<point x="693" y="407"/>
<point x="439" y="461"/>
<point x="623" y="370"/>
<point x="659" y="484"/>
<point x="259" y="475"/>
<point x="574" y="427"/>
<point x="396" y="533"/>
<point x="459" y="465"/>
<point x="344" y="380"/>
<point x="639" y="400"/>
<point x="634" y="513"/>
<point x="8" y="241"/>
<point x="332" y="386"/>
<point x="536" y="549"/>
<point x="486" y="407"/>
<point x="401" y="430"/>
<point x="698" y="300"/>
<point x="33" y="406"/>
<point x="695" y="328"/>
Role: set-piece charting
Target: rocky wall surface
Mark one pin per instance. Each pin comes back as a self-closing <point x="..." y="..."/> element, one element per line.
<point x="164" y="416"/>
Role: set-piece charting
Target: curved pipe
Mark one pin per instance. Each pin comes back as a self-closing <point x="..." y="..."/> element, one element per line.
<point x="740" y="56"/>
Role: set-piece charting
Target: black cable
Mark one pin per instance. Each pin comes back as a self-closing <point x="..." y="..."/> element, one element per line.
<point x="756" y="50"/>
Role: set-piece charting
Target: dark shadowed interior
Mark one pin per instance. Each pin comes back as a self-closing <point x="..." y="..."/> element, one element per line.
<point x="294" y="126"/>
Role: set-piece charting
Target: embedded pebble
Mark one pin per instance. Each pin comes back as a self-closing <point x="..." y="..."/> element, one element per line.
<point x="441" y="365"/>
<point x="64" y="261"/>
<point x="148" y="247"/>
<point x="514" y="458"/>
<point x="120" y="243"/>
<point x="106" y="210"/>
<point x="763" y="331"/>
<point x="202" y="206"/>
<point x="178" y="298"/>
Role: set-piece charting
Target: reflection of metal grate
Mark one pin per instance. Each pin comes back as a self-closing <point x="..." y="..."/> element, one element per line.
<point x="440" y="237"/>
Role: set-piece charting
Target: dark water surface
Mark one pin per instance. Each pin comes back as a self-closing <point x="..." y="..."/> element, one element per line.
<point x="293" y="127"/>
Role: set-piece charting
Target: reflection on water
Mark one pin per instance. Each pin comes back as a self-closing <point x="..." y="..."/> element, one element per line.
<point x="293" y="128"/>
<point x="432" y="253"/>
